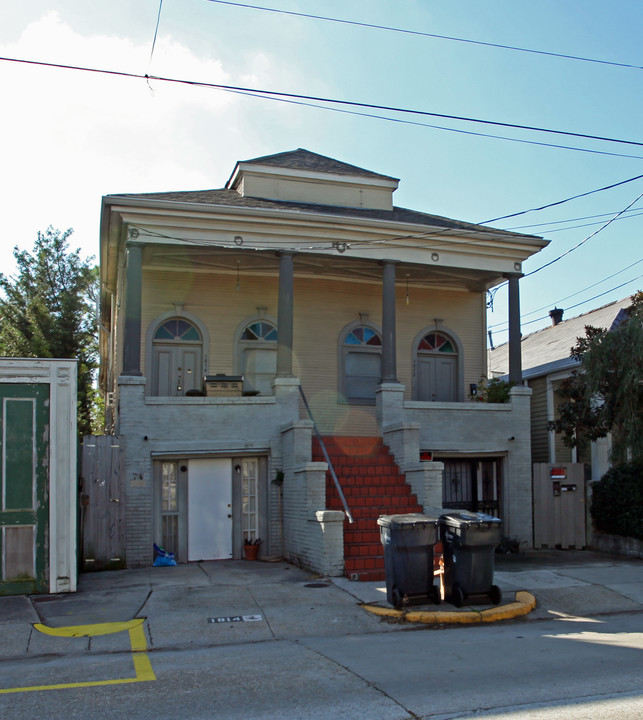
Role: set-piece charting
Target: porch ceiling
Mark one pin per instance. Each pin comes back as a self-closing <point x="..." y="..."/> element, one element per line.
<point x="340" y="266"/>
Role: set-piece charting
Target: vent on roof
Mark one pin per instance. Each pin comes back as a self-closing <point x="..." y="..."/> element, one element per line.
<point x="556" y="315"/>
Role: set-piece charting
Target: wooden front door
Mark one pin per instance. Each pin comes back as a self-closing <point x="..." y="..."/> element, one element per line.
<point x="24" y="505"/>
<point x="436" y="378"/>
<point x="177" y="369"/>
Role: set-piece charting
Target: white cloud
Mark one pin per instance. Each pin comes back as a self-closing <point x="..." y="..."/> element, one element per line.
<point x="71" y="137"/>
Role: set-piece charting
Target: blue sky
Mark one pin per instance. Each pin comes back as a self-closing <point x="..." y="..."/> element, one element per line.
<point x="70" y="137"/>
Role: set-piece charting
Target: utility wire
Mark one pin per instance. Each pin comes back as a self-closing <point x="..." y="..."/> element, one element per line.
<point x="584" y="302"/>
<point x="416" y="123"/>
<point x="574" y="219"/>
<point x="566" y="200"/>
<point x="428" y="35"/>
<point x="591" y="224"/>
<point x="589" y="237"/>
<point x="505" y="324"/>
<point x="334" y="101"/>
<point x="156" y="30"/>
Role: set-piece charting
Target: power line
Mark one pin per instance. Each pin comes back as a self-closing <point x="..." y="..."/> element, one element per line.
<point x="574" y="219"/>
<point x="566" y="200"/>
<point x="430" y="35"/>
<point x="567" y="297"/>
<point x="436" y="127"/>
<point x="278" y="94"/>
<point x="156" y="30"/>
<point x="590" y="224"/>
<point x="584" y="302"/>
<point x="589" y="237"/>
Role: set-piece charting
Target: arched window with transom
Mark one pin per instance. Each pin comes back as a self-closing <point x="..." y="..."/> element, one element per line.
<point x="360" y="363"/>
<point x="437" y="367"/>
<point x="177" y="358"/>
<point x="257" y="352"/>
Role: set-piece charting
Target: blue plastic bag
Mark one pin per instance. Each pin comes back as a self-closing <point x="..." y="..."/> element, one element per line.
<point x="163" y="557"/>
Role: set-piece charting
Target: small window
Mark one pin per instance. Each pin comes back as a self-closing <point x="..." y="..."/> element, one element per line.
<point x="436" y="342"/>
<point x="177" y="330"/>
<point x="258" y="353"/>
<point x="361" y="365"/>
<point x="260" y="331"/>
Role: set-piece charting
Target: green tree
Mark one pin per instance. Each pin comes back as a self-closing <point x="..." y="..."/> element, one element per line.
<point x="606" y="395"/>
<point x="48" y="310"/>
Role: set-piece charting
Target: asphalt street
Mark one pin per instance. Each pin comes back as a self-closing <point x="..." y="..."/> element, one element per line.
<point x="259" y="640"/>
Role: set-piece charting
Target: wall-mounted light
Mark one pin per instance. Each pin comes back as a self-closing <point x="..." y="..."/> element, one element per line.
<point x="238" y="240"/>
<point x="435" y="257"/>
<point x="340" y="246"/>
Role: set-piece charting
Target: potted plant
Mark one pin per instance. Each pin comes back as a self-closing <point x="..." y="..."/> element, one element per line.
<point x="251" y="547"/>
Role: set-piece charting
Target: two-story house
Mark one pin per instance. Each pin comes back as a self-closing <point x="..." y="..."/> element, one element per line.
<point x="224" y="313"/>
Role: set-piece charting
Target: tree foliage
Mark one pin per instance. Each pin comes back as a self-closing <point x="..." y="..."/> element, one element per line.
<point x="48" y="310"/>
<point x="606" y="395"/>
<point x="617" y="501"/>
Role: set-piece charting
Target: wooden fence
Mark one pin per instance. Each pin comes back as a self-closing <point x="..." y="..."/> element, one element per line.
<point x="102" y="526"/>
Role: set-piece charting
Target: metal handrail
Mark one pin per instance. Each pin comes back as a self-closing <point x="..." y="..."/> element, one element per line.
<point x="326" y="456"/>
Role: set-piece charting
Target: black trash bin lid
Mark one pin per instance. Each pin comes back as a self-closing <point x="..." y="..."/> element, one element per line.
<point x="406" y="521"/>
<point x="466" y="518"/>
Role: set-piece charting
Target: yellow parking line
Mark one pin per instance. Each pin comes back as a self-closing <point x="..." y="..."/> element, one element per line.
<point x="89" y="630"/>
<point x="142" y="666"/>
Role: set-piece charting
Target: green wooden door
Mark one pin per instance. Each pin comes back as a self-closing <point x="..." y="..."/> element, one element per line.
<point x="24" y="505"/>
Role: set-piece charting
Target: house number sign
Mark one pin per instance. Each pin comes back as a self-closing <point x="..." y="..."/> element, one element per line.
<point x="235" y="618"/>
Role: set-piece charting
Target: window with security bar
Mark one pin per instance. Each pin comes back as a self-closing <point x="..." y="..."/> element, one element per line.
<point x="249" y="499"/>
<point x="169" y="507"/>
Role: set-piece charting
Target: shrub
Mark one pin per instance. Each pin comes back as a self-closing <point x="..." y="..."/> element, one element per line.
<point x="494" y="390"/>
<point x="617" y="501"/>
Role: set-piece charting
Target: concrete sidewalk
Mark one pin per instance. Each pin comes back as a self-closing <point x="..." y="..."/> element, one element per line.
<point x="230" y="602"/>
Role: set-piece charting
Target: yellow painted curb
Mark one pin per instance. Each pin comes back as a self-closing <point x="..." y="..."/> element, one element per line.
<point x="524" y="604"/>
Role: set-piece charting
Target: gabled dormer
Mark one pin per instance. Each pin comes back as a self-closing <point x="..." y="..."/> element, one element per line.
<point x="305" y="177"/>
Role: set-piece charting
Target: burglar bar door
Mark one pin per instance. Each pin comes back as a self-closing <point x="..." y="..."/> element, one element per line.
<point x="24" y="509"/>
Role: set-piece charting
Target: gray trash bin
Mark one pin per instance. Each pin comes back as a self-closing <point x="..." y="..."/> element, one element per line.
<point x="409" y="542"/>
<point x="469" y="541"/>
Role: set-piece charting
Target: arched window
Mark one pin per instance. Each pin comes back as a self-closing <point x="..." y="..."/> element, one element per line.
<point x="360" y="364"/>
<point x="258" y="356"/>
<point x="177" y="358"/>
<point x="436" y="368"/>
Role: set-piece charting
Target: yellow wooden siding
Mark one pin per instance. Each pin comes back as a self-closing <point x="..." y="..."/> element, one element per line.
<point x="323" y="309"/>
<point x="562" y="452"/>
<point x="539" y="432"/>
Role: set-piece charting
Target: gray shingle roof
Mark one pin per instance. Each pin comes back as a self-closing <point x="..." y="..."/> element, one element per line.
<point x="302" y="159"/>
<point x="548" y="350"/>
<point x="231" y="198"/>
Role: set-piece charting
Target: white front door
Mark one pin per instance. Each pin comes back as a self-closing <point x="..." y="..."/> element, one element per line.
<point x="210" y="509"/>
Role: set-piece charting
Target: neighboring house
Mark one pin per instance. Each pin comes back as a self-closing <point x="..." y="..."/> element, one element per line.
<point x="38" y="448"/>
<point x="217" y="306"/>
<point x="546" y="362"/>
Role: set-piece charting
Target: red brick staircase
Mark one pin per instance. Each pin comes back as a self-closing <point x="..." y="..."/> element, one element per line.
<point x="372" y="485"/>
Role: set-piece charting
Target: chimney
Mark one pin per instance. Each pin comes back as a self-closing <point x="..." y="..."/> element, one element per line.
<point x="556" y="315"/>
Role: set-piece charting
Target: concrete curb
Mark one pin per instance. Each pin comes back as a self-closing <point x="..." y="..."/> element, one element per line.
<point x="524" y="603"/>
